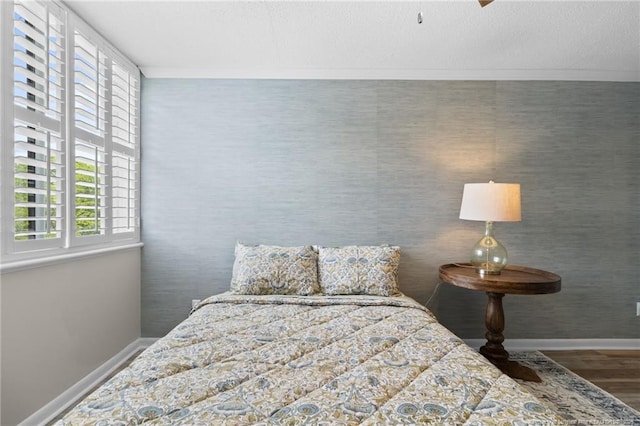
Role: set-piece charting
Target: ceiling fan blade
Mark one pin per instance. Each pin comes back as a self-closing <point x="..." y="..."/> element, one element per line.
<point x="483" y="3"/>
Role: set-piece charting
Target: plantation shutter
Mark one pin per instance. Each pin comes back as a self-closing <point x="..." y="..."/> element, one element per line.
<point x="106" y="159"/>
<point x="124" y="107"/>
<point x="38" y="126"/>
<point x="90" y="76"/>
<point x="70" y="135"/>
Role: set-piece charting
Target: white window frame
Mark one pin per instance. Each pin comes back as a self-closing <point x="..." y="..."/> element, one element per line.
<point x="69" y="243"/>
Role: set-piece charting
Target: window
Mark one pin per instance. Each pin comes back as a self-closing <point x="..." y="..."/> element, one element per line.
<point x="70" y="145"/>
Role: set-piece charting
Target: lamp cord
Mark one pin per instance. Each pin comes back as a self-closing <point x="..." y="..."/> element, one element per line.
<point x="463" y="266"/>
<point x="435" y="290"/>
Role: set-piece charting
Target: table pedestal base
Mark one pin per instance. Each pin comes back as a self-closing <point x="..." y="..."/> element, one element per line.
<point x="493" y="349"/>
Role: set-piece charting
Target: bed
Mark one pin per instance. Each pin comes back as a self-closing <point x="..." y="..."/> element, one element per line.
<point x="310" y="357"/>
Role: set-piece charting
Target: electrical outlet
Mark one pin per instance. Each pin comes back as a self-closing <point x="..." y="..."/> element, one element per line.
<point x="194" y="302"/>
<point x="638" y="309"/>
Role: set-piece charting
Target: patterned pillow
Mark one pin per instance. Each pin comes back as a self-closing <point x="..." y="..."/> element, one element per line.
<point x="359" y="270"/>
<point x="275" y="270"/>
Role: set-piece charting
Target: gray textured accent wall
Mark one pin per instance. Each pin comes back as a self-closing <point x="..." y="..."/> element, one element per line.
<point x="369" y="162"/>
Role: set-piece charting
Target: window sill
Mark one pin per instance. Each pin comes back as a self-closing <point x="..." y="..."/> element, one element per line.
<point x="19" y="265"/>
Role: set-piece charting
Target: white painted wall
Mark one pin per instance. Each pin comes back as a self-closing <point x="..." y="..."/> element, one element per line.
<point x="60" y="322"/>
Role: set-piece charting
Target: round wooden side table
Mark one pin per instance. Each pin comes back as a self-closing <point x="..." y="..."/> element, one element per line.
<point x="512" y="280"/>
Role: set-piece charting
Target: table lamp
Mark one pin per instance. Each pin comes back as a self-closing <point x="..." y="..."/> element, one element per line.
<point x="490" y="202"/>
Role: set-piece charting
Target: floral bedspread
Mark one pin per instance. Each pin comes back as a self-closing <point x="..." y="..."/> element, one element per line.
<point x="294" y="360"/>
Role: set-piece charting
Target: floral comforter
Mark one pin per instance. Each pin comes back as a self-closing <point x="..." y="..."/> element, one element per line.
<point x="294" y="360"/>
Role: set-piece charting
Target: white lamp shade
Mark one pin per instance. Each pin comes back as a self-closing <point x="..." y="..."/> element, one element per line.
<point x="491" y="202"/>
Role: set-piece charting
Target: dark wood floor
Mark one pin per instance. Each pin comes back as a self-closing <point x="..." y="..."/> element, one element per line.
<point x="615" y="371"/>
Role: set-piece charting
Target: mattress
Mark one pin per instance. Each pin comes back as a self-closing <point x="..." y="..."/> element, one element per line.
<point x="294" y="360"/>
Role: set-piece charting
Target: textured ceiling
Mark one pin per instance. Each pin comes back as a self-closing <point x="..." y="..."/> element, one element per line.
<point x="508" y="39"/>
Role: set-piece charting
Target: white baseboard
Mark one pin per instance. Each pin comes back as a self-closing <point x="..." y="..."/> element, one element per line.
<point x="71" y="395"/>
<point x="560" y="344"/>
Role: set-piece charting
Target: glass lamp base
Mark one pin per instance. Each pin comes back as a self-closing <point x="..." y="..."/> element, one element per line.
<point x="489" y="256"/>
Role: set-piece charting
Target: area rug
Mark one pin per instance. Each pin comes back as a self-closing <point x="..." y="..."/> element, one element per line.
<point x="578" y="401"/>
